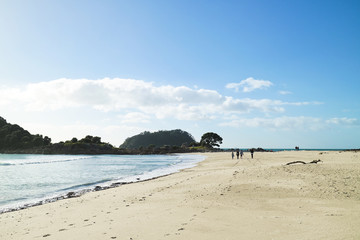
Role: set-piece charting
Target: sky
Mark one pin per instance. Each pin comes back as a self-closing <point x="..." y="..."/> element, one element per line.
<point x="263" y="73"/>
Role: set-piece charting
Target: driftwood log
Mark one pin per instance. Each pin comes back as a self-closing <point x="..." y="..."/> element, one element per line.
<point x="313" y="161"/>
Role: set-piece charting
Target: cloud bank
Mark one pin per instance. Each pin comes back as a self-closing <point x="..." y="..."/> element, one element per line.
<point x="137" y="96"/>
<point x="249" y="85"/>
<point x="290" y="123"/>
<point x="140" y="102"/>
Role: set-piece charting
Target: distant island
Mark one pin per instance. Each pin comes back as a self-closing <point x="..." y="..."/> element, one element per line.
<point x="159" y="139"/>
<point x="15" y="139"/>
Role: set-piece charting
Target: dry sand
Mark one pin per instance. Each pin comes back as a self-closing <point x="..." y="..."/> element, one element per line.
<point x="221" y="198"/>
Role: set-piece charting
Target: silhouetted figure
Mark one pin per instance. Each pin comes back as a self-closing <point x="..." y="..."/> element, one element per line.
<point x="237" y="154"/>
<point x="232" y="154"/>
<point x="252" y="153"/>
<point x="241" y="153"/>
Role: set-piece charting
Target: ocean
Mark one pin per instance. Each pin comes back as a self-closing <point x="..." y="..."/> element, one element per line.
<point x="29" y="179"/>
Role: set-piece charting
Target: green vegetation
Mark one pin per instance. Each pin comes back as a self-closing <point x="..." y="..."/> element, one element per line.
<point x="87" y="145"/>
<point x="211" y="140"/>
<point x="173" y="138"/>
<point x="13" y="137"/>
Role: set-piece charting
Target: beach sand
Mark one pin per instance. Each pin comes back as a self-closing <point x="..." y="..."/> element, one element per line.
<point x="221" y="198"/>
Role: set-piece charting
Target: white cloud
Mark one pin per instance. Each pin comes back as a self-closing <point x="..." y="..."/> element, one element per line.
<point x="249" y="85"/>
<point x="247" y="105"/>
<point x="285" y="92"/>
<point x="283" y="123"/>
<point x="118" y="108"/>
<point x="289" y="123"/>
<point x="185" y="111"/>
<point x="344" y="121"/>
<point x="105" y="94"/>
<point x="134" y="117"/>
<point x="141" y="100"/>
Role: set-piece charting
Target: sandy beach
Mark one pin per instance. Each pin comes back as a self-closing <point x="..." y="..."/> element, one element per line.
<point x="221" y="198"/>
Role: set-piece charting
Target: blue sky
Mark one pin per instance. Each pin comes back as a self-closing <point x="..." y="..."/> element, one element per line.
<point x="272" y="74"/>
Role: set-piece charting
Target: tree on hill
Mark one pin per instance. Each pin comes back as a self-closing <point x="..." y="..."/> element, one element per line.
<point x="14" y="137"/>
<point x="86" y="145"/>
<point x="211" y="140"/>
<point x="158" y="139"/>
<point x="91" y="139"/>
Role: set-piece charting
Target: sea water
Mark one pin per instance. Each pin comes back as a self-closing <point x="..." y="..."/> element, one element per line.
<point x="30" y="179"/>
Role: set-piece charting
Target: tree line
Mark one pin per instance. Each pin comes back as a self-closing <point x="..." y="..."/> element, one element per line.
<point x="15" y="139"/>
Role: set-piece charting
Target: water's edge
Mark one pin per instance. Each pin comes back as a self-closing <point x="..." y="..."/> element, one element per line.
<point x="74" y="194"/>
<point x="108" y="185"/>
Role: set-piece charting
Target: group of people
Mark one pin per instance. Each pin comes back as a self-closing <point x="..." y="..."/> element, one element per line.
<point x="241" y="153"/>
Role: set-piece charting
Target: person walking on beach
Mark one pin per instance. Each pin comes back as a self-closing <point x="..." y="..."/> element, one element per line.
<point x="232" y="154"/>
<point x="252" y="153"/>
<point x="241" y="153"/>
<point x="237" y="154"/>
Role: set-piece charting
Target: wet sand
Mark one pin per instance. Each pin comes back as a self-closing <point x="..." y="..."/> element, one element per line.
<point x="221" y="198"/>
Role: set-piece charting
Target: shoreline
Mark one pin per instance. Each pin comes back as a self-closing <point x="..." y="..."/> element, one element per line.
<point x="75" y="194"/>
<point x="220" y="198"/>
<point x="146" y="176"/>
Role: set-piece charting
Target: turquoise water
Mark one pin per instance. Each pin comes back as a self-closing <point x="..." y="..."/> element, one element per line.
<point x="27" y="179"/>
